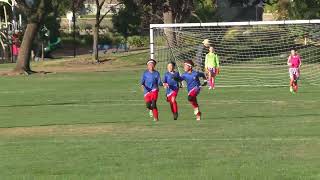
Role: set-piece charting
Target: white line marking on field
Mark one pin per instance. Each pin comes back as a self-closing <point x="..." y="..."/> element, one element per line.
<point x="228" y="139"/>
<point x="173" y="140"/>
<point x="77" y="103"/>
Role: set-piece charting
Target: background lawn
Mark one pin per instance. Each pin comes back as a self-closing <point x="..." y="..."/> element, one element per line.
<point x="93" y="125"/>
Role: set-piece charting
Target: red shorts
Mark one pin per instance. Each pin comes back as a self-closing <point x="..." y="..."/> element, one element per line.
<point x="171" y="95"/>
<point x="194" y="92"/>
<point x="151" y="96"/>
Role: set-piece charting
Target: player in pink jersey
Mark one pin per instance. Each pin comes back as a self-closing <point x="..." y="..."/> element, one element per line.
<point x="294" y="63"/>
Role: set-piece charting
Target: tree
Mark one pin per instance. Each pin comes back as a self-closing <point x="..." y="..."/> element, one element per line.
<point x="297" y="9"/>
<point x="205" y="11"/>
<point x="35" y="12"/>
<point x="99" y="18"/>
<point x="169" y="11"/>
<point x="241" y="10"/>
<point x="128" y="20"/>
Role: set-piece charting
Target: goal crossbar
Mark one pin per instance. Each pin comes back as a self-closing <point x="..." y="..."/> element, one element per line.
<point x="247" y="23"/>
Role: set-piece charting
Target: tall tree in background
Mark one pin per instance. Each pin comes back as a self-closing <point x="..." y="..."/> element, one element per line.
<point x="128" y="20"/>
<point x="38" y="12"/>
<point x="205" y="11"/>
<point x="99" y="18"/>
<point x="35" y="12"/>
<point x="171" y="11"/>
<point x="304" y="9"/>
<point x="296" y="9"/>
<point x="241" y="10"/>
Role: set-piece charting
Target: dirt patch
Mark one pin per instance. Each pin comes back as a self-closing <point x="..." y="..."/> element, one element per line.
<point x="55" y="130"/>
<point x="75" y="66"/>
<point x="69" y="130"/>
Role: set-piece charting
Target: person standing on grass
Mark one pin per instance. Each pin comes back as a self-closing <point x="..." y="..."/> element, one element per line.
<point x="202" y="50"/>
<point x="212" y="66"/>
<point x="150" y="82"/>
<point x="294" y="63"/>
<point x="193" y="85"/>
<point x="172" y="88"/>
<point x="15" y="46"/>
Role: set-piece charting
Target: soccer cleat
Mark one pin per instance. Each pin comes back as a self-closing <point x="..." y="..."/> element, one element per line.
<point x="155" y="120"/>
<point x="291" y="89"/>
<point x="198" y="116"/>
<point x="175" y="116"/>
<point x="210" y="88"/>
<point x="151" y="113"/>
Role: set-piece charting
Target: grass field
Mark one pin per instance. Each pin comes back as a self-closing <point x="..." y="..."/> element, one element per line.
<point x="93" y="125"/>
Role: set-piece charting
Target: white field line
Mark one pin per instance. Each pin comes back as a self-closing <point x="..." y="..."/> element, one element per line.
<point x="132" y="102"/>
<point x="276" y="139"/>
<point x="227" y="139"/>
<point x="137" y="89"/>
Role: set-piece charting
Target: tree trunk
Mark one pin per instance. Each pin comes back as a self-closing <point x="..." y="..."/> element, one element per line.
<point x="23" y="63"/>
<point x="95" y="43"/>
<point x="168" y="19"/>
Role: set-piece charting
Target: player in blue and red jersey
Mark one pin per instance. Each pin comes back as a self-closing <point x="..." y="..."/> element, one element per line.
<point x="172" y="88"/>
<point x="150" y="82"/>
<point x="193" y="85"/>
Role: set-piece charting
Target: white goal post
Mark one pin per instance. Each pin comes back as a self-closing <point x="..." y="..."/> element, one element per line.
<point x="251" y="53"/>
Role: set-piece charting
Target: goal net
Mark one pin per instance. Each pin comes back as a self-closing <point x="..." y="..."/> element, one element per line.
<point x="251" y="53"/>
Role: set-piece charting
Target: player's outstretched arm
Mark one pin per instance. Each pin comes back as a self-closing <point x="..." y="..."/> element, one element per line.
<point x="289" y="62"/>
<point x="164" y="82"/>
<point x="159" y="82"/>
<point x="300" y="62"/>
<point x="203" y="76"/>
<point x="142" y="82"/>
<point x="142" y="88"/>
<point x="178" y="78"/>
<point x="218" y="64"/>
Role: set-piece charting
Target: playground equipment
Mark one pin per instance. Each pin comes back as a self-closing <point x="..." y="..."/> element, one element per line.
<point x="9" y="27"/>
<point x="47" y="44"/>
<point x="11" y="35"/>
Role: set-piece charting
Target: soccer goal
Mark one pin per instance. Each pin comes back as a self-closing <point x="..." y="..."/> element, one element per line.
<point x="251" y="53"/>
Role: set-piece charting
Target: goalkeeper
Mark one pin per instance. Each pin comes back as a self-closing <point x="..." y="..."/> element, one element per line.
<point x="212" y="66"/>
<point x="294" y="63"/>
<point x="202" y="50"/>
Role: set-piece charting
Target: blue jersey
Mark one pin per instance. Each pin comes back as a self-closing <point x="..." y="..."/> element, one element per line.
<point x="150" y="81"/>
<point x="171" y="80"/>
<point x="192" y="79"/>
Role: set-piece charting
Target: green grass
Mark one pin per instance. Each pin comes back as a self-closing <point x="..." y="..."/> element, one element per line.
<point x="94" y="126"/>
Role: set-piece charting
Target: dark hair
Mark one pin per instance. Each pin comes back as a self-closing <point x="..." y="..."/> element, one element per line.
<point x="173" y="63"/>
<point x="189" y="62"/>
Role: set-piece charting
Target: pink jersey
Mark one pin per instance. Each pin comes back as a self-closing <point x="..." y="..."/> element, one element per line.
<point x="295" y="61"/>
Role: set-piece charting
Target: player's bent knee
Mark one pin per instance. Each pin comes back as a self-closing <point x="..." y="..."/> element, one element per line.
<point x="149" y="105"/>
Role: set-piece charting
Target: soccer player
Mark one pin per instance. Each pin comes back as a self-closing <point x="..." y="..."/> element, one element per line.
<point x="193" y="85"/>
<point x="212" y="66"/>
<point x="294" y="63"/>
<point x="150" y="82"/>
<point x="202" y="50"/>
<point x="172" y="87"/>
